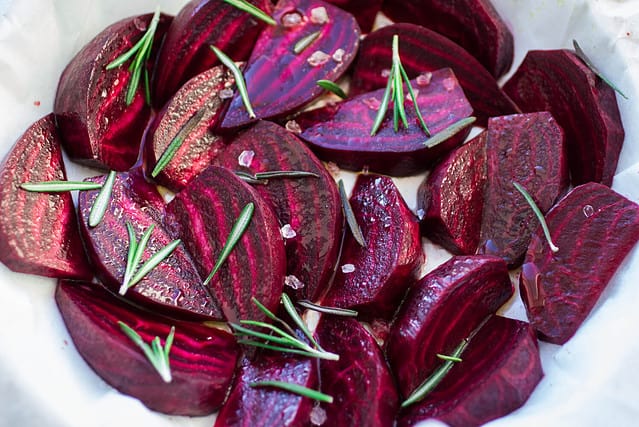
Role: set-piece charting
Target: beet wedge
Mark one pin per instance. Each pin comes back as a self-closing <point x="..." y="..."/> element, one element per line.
<point x="202" y="360"/>
<point x="423" y="50"/>
<point x="583" y="105"/>
<point x="374" y="279"/>
<point x="473" y="24"/>
<point x="499" y="370"/>
<point x="97" y="126"/>
<point x="174" y="286"/>
<point x="341" y="132"/>
<point x="310" y="206"/>
<point x="442" y="309"/>
<point x="278" y="79"/>
<point x="592" y="226"/>
<point x="203" y="214"/>
<point x="38" y="231"/>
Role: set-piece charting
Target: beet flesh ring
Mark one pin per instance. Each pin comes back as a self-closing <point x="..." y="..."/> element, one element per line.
<point x="583" y="105"/>
<point x="38" y="231"/>
<point x="592" y="226"/>
<point x="97" y="127"/>
<point x="498" y="372"/>
<point x="374" y="279"/>
<point x="202" y="359"/>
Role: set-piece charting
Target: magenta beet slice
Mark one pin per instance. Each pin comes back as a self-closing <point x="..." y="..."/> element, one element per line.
<point x="527" y="149"/>
<point x="583" y="105"/>
<point x="499" y="371"/>
<point x="360" y="381"/>
<point x="38" y="231"/>
<point x="96" y="125"/>
<point x="442" y="309"/>
<point x="341" y="132"/>
<point x="202" y="359"/>
<point x="423" y="50"/>
<point x="364" y="11"/>
<point x="310" y="206"/>
<point x="279" y="80"/>
<point x="594" y="228"/>
<point x="203" y="214"/>
<point x="374" y="279"/>
<point x="174" y="286"/>
<point x="473" y="24"/>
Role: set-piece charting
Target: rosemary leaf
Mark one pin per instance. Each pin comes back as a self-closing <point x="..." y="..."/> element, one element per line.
<point x="284" y="338"/>
<point x="253" y="10"/>
<point x="538" y="214"/>
<point x="414" y="98"/>
<point x="272" y="316"/>
<point x="239" y="79"/>
<point x="305" y="42"/>
<point x="290" y="309"/>
<point x="328" y="310"/>
<point x="251" y="179"/>
<point x="154" y="261"/>
<point x="315" y="355"/>
<point x="398" y="103"/>
<point x="59" y="186"/>
<point x="295" y="388"/>
<point x="582" y="55"/>
<point x="101" y="202"/>
<point x="130" y="265"/>
<point x="383" y="106"/>
<point x="285" y="174"/>
<point x="158" y="356"/>
<point x="350" y="216"/>
<point x="450" y="131"/>
<point x="449" y="358"/>
<point x="331" y="87"/>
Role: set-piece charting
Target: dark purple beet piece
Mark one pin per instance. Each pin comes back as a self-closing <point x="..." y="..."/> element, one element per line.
<point x="341" y="132"/>
<point x="96" y="125"/>
<point x="174" y="286"/>
<point x="499" y="371"/>
<point x="527" y="149"/>
<point x="360" y="381"/>
<point x="203" y="214"/>
<point x="473" y="24"/>
<point x="594" y="228"/>
<point x="391" y="261"/>
<point x="583" y="105"/>
<point x="311" y="206"/>
<point x="442" y="309"/>
<point x="450" y="201"/>
<point x="279" y="80"/>
<point x="38" y="231"/>
<point x="423" y="50"/>
<point x="202" y="359"/>
<point x="364" y="11"/>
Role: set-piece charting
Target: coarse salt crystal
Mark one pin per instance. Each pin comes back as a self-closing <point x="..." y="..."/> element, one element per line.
<point x="385" y="72"/>
<point x="293" y="127"/>
<point x="226" y="93"/>
<point x="318" y="416"/>
<point x="348" y="268"/>
<point x="372" y="103"/>
<point x="293" y="282"/>
<point x="318" y="58"/>
<point x="449" y="84"/>
<point x="319" y="15"/>
<point x="287" y="231"/>
<point x="338" y="55"/>
<point x="424" y="79"/>
<point x="246" y="158"/>
<point x="291" y="19"/>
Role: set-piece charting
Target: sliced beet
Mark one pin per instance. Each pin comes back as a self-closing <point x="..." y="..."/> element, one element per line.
<point x="174" y="286"/>
<point x="473" y="24"/>
<point x="311" y="206"/>
<point x="341" y="132"/>
<point x="279" y="80"/>
<point x="202" y="359"/>
<point x="583" y="105"/>
<point x="442" y="309"/>
<point x="594" y="228"/>
<point x="423" y="50"/>
<point x="499" y="371"/>
<point x="364" y="11"/>
<point x="527" y="149"/>
<point x="96" y="125"/>
<point x="450" y="201"/>
<point x="374" y="279"/>
<point x="203" y="214"/>
<point x="38" y="231"/>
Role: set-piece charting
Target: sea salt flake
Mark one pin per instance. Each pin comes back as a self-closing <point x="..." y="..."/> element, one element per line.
<point x="318" y="416"/>
<point x="246" y="158"/>
<point x="420" y="214"/>
<point x="319" y="15"/>
<point x="372" y="103"/>
<point x="293" y="127"/>
<point x="449" y="84"/>
<point x="293" y="282"/>
<point x="287" y="231"/>
<point x="338" y="55"/>
<point x="226" y="93"/>
<point x="385" y="72"/>
<point x="424" y="79"/>
<point x="291" y="19"/>
<point x="318" y="58"/>
<point x="104" y="93"/>
<point x="348" y="268"/>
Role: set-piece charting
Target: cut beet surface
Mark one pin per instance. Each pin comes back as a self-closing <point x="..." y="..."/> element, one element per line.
<point x="278" y="79"/>
<point x="202" y="359"/>
<point x="594" y="228"/>
<point x="498" y="372"/>
<point x="364" y="11"/>
<point x="310" y="206"/>
<point x="583" y="105"/>
<point x="374" y="279"/>
<point x="442" y="309"/>
<point x="341" y="132"/>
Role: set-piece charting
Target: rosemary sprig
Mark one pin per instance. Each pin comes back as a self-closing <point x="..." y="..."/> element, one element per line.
<point x="538" y="214"/>
<point x="305" y="42"/>
<point x="263" y="177"/>
<point x="450" y="131"/>
<point x="101" y="202"/>
<point x="253" y="10"/>
<point x="331" y="87"/>
<point x="158" y="356"/>
<point x="350" y="216"/>
<point x="582" y="55"/>
<point x="295" y="388"/>
<point x="59" y="186"/>
<point x="328" y="310"/>
<point x="239" y="79"/>
<point x="297" y="319"/>
<point x="449" y="358"/>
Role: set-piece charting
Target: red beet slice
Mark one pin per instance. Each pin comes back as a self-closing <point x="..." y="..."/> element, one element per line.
<point x="311" y="206"/>
<point x="203" y="214"/>
<point x="364" y="11"/>
<point x="279" y="80"/>
<point x="38" y="231"/>
<point x="360" y="381"/>
<point x="96" y="125"/>
<point x="374" y="279"/>
<point x="442" y="309"/>
<point x="202" y="359"/>
<point x="594" y="228"/>
<point x="341" y="133"/>
<point x="174" y="286"/>
<point x="499" y="371"/>
<point x="527" y="149"/>
<point x="583" y="105"/>
<point x="423" y="50"/>
<point x="473" y="24"/>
